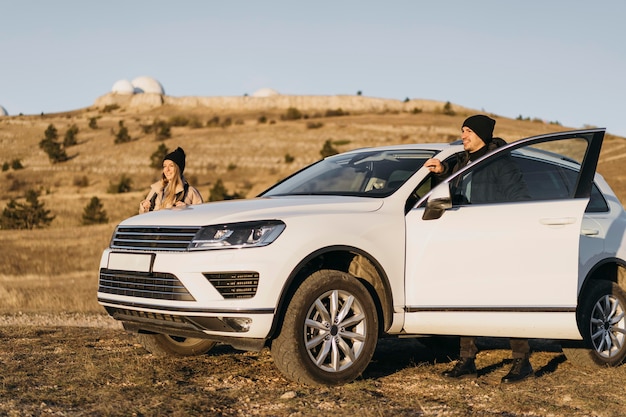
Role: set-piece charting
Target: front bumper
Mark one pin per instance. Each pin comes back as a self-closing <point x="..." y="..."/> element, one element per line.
<point x="207" y="294"/>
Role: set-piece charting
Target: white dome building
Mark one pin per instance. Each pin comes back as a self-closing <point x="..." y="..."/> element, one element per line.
<point x="3" y="111"/>
<point x="265" y="92"/>
<point x="123" y="87"/>
<point x="147" y="85"/>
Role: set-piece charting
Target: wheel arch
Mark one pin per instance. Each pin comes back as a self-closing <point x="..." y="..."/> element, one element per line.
<point x="609" y="269"/>
<point x="348" y="259"/>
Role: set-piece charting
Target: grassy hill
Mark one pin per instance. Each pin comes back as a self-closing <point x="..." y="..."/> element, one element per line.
<point x="249" y="143"/>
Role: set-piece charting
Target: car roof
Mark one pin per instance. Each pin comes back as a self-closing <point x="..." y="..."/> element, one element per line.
<point x="413" y="146"/>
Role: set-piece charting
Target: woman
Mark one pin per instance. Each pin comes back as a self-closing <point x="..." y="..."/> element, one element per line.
<point x="172" y="190"/>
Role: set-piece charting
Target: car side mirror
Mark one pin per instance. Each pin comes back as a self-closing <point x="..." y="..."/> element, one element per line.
<point x="439" y="201"/>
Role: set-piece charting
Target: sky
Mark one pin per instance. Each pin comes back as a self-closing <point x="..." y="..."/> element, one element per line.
<point x="558" y="60"/>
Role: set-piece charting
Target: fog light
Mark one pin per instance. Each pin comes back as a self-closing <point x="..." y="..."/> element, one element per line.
<point x="240" y="324"/>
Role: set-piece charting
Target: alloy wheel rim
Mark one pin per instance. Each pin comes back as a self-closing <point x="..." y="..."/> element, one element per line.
<point x="608" y="326"/>
<point x="335" y="331"/>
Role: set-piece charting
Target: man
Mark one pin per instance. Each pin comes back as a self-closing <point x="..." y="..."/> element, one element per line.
<point x="496" y="182"/>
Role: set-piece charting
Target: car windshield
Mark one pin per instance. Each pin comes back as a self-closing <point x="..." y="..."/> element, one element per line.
<point x="366" y="173"/>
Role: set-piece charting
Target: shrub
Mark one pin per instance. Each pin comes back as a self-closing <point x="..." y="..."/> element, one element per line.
<point x="51" y="133"/>
<point x="335" y="113"/>
<point x="110" y="107"/>
<point x="292" y="114"/>
<point x="93" y="123"/>
<point x="122" y="135"/>
<point x="28" y="215"/>
<point x="81" y="181"/>
<point x="162" y="131"/>
<point x="156" y="159"/>
<point x="178" y="121"/>
<point x="227" y="122"/>
<point x="213" y="122"/>
<point x="70" y="136"/>
<point x="314" y="125"/>
<point x="16" y="164"/>
<point x="5" y="166"/>
<point x="124" y="185"/>
<point x="219" y="192"/>
<point x="262" y="119"/>
<point x="448" y="110"/>
<point x="328" y="149"/>
<point x="160" y="128"/>
<point x="289" y="158"/>
<point x="56" y="153"/>
<point x="94" y="212"/>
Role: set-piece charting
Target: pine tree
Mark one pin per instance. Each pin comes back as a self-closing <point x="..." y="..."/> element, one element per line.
<point x="122" y="135"/>
<point x="49" y="144"/>
<point x="28" y="215"/>
<point x="70" y="136"/>
<point x="156" y="159"/>
<point x="328" y="149"/>
<point x="94" y="212"/>
<point x="218" y="192"/>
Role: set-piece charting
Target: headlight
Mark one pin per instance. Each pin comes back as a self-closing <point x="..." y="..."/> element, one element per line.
<point x="237" y="235"/>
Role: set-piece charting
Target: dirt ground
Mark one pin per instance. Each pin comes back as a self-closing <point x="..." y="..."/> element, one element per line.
<point x="100" y="370"/>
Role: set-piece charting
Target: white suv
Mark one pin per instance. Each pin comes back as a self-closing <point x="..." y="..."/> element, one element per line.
<point x="370" y="243"/>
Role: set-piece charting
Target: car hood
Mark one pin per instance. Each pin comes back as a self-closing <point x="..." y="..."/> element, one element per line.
<point x="268" y="208"/>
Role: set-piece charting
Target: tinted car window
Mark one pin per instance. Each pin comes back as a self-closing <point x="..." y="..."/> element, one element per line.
<point x="547" y="181"/>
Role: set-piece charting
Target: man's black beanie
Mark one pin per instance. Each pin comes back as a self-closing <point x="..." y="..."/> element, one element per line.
<point x="481" y="125"/>
<point x="178" y="157"/>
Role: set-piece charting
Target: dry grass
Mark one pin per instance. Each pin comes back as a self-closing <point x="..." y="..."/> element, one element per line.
<point x="90" y="371"/>
<point x="76" y="371"/>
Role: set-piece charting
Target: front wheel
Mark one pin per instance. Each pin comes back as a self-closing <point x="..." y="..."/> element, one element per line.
<point x="603" y="327"/>
<point x="166" y="345"/>
<point x="329" y="331"/>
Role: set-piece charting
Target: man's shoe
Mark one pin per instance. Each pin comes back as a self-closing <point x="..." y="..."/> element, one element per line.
<point x="520" y="370"/>
<point x="464" y="368"/>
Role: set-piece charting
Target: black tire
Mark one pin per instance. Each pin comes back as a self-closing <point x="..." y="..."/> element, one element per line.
<point x="166" y="345"/>
<point x="603" y="327"/>
<point x="329" y="332"/>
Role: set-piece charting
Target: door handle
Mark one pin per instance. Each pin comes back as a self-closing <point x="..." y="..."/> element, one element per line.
<point x="590" y="232"/>
<point x="557" y="221"/>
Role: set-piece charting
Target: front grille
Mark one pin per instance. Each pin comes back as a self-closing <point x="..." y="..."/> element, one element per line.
<point x="234" y="284"/>
<point x="153" y="237"/>
<point x="155" y="285"/>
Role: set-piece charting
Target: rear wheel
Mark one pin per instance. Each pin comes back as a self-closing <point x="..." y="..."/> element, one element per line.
<point x="329" y="332"/>
<point x="603" y="327"/>
<point x="166" y="345"/>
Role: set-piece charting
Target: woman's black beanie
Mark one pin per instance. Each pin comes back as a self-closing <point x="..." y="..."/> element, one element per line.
<point x="178" y="157"/>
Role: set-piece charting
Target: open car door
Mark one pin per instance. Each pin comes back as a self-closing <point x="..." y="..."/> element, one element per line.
<point x="489" y="263"/>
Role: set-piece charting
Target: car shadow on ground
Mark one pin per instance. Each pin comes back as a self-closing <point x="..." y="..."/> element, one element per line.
<point x="396" y="354"/>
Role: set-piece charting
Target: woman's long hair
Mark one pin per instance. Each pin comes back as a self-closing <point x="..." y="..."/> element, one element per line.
<point x="169" y="188"/>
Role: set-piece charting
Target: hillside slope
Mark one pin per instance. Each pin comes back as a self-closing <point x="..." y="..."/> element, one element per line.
<point x="248" y="155"/>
